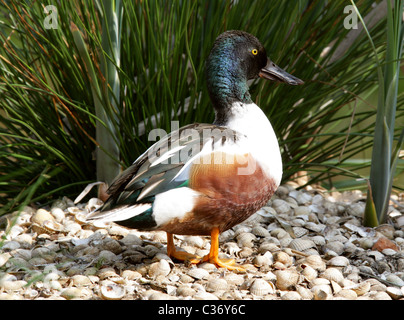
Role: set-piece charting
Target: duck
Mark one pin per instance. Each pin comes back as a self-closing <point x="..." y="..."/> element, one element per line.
<point x="203" y="179"/>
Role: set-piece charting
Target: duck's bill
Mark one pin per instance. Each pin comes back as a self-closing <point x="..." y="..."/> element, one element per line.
<point x="272" y="72"/>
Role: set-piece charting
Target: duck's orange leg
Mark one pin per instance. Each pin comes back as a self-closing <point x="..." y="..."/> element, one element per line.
<point x="179" y="255"/>
<point x="213" y="256"/>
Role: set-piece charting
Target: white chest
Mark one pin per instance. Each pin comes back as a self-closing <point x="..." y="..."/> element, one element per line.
<point x="261" y="141"/>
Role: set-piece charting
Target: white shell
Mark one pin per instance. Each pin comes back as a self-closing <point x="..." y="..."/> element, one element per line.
<point x="316" y="262"/>
<point x="198" y="273"/>
<point x="287" y="279"/>
<point x="333" y="274"/>
<point x="112" y="291"/>
<point x="260" y="287"/>
<point x="301" y="244"/>
<point x="160" y="268"/>
<point x="216" y="284"/>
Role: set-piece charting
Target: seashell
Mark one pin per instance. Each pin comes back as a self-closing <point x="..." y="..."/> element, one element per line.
<point x="106" y="273"/>
<point x="395" y="293"/>
<point x="161" y="268"/>
<point x="40" y="216"/>
<point x="361" y="288"/>
<point x="333" y="274"/>
<point x="202" y="295"/>
<point x="381" y="296"/>
<point x="260" y="287"/>
<point x="287" y="279"/>
<point x="279" y="233"/>
<point x="267" y="246"/>
<point x="356" y="209"/>
<point x="302" y="211"/>
<point x="245" y="252"/>
<point x="111" y="245"/>
<point x="241" y="228"/>
<point x="292" y="202"/>
<point x="301" y="197"/>
<point x="386" y="230"/>
<point x="260" y="231"/>
<point x="93" y="203"/>
<point x="309" y="273"/>
<point x="198" y="273"/>
<point x="80" y="280"/>
<point x="4" y="258"/>
<point x="216" y="284"/>
<point x="318" y="240"/>
<point x="315" y="227"/>
<point x="72" y="293"/>
<point x="233" y="278"/>
<point x="335" y="287"/>
<point x="263" y="260"/>
<point x="301" y="244"/>
<point x="58" y="214"/>
<point x="321" y="292"/>
<point x="112" y="291"/>
<point x="185" y="290"/>
<point x="52" y="226"/>
<point x="246" y="239"/>
<point x="282" y="192"/>
<point x="281" y="206"/>
<point x="347" y="294"/>
<point x="291" y="295"/>
<point x="305" y="293"/>
<point x="283" y="257"/>
<point x="195" y="241"/>
<point x="231" y="248"/>
<point x="395" y="280"/>
<point x="316" y="262"/>
<point x="299" y="231"/>
<point x="334" y="246"/>
<point x="338" y="261"/>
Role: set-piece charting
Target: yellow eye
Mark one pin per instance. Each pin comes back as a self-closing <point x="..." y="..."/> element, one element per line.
<point x="254" y="52"/>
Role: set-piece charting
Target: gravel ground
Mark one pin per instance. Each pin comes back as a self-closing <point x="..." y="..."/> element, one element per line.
<point x="306" y="244"/>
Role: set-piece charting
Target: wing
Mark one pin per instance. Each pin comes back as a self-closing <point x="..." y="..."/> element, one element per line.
<point x="164" y="166"/>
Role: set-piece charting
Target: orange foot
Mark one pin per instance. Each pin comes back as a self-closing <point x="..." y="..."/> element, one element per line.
<point x="212" y="257"/>
<point x="180" y="255"/>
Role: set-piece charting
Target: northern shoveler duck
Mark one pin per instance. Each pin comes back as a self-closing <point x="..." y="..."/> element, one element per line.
<point x="203" y="179"/>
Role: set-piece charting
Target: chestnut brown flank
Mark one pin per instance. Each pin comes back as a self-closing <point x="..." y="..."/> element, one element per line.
<point x="228" y="197"/>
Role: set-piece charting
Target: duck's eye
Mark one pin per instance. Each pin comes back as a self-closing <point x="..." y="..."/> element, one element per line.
<point x="254" y="52"/>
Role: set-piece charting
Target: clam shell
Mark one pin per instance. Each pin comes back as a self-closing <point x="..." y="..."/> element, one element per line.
<point x="160" y="268"/>
<point x="260" y="231"/>
<point x="316" y="262"/>
<point x="198" y="273"/>
<point x="263" y="260"/>
<point x="260" y="287"/>
<point x="361" y="288"/>
<point x="333" y="274"/>
<point x="246" y="239"/>
<point x="338" y="261"/>
<point x="112" y="291"/>
<point x="395" y="293"/>
<point x="216" y="284"/>
<point x="40" y="216"/>
<point x="283" y="257"/>
<point x="287" y="279"/>
<point x="309" y="273"/>
<point x="185" y="290"/>
<point x="347" y="294"/>
<point x="301" y="244"/>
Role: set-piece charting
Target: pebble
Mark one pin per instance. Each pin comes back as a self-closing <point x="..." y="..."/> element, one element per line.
<point x="304" y="245"/>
